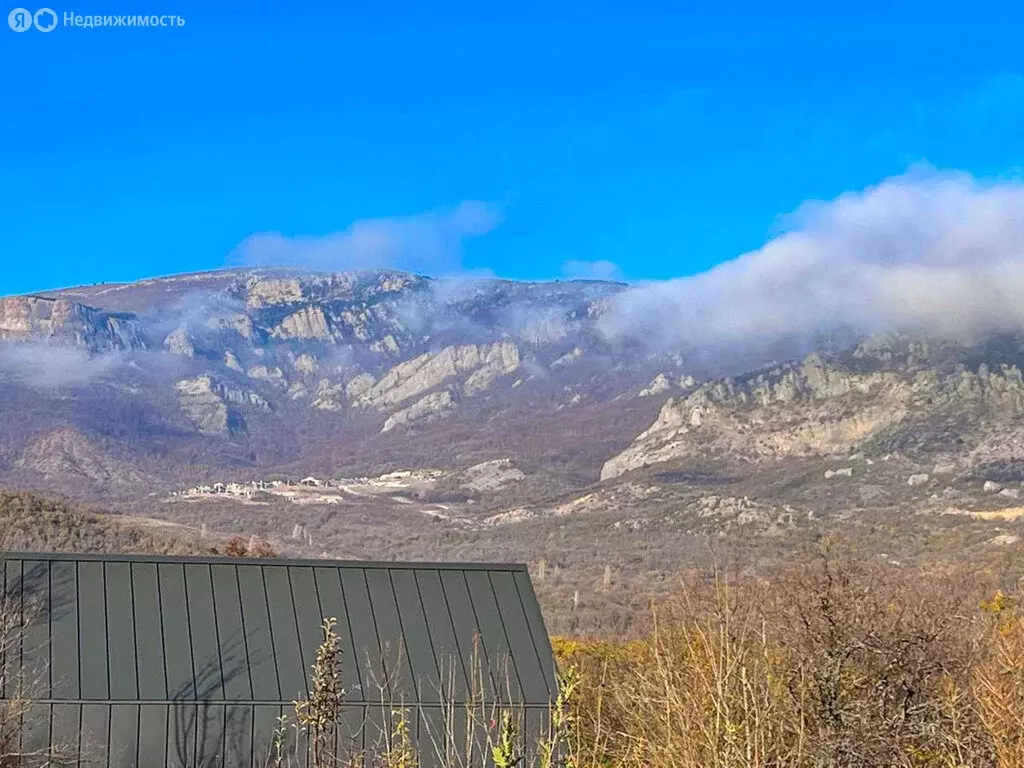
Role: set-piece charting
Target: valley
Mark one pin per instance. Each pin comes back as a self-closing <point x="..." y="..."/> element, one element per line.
<point x="379" y="415"/>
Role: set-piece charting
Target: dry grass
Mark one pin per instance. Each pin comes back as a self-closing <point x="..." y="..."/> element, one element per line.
<point x="1011" y="513"/>
<point x="998" y="680"/>
<point x="31" y="523"/>
<point x="830" y="663"/>
<point x="20" y="684"/>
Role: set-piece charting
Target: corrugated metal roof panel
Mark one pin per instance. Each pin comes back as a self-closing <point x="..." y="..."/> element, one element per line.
<point x="146" y="660"/>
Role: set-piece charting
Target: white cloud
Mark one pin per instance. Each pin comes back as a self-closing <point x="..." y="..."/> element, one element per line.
<point x="430" y="242"/>
<point x="49" y="366"/>
<point x="591" y="270"/>
<point x="927" y="251"/>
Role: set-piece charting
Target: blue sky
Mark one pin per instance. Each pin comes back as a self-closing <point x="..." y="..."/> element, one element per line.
<point x="658" y="139"/>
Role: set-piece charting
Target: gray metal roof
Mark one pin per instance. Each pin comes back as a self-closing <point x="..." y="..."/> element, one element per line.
<point x="150" y="658"/>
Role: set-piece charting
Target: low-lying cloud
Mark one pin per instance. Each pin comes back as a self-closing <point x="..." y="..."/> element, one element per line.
<point x="427" y="243"/>
<point x="926" y="252"/>
<point x="49" y="366"/>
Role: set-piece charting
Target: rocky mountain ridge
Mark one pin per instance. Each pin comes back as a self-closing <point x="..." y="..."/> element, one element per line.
<point x="910" y="397"/>
<point x="256" y="367"/>
<point x="59" y="321"/>
<point x="381" y="415"/>
<point x="247" y="374"/>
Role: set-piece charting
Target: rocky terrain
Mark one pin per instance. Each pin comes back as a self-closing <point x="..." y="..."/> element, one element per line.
<point x="253" y="369"/>
<point x="34" y="318"/>
<point x="923" y="399"/>
<point x="494" y="419"/>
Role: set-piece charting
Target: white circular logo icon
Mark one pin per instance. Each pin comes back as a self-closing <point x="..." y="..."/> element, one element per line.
<point x="45" y="20"/>
<point x="20" y="19"/>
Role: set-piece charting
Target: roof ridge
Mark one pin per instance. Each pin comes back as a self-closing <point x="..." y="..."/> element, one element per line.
<point x="270" y="561"/>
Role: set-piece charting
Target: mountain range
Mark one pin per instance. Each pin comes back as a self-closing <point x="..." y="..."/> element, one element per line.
<point x="262" y="369"/>
<point x="490" y="405"/>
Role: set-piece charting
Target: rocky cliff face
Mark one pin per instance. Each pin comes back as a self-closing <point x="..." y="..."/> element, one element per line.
<point x="57" y="321"/>
<point x="377" y="342"/>
<point x="215" y="407"/>
<point x="267" y="290"/>
<point x="483" y="364"/>
<point x="824" y="407"/>
<point x="432" y="406"/>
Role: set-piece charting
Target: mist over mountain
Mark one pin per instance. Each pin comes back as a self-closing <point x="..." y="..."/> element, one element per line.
<point x="254" y="367"/>
<point x="862" y="368"/>
<point x="232" y="357"/>
<point x="926" y="253"/>
<point x="379" y="413"/>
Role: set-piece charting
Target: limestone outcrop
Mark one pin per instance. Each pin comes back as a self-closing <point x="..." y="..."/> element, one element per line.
<point x="662" y="383"/>
<point x="212" y="405"/>
<point x="180" y="342"/>
<point x="659" y="385"/>
<point x="359" y="385"/>
<point x="272" y="374"/>
<point x="306" y="323"/>
<point x="490" y="476"/>
<point x="58" y="321"/>
<point x="816" y="407"/>
<point x="431" y="407"/>
<point x="328" y="396"/>
<point x="484" y="363"/>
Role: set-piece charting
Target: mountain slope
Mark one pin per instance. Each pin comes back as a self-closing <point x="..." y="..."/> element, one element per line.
<point x="925" y="399"/>
<point x="135" y="392"/>
<point x="29" y="523"/>
<point x="270" y="368"/>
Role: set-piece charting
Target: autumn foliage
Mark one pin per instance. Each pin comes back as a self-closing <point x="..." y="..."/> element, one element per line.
<point x="239" y="547"/>
<point x="832" y="661"/>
